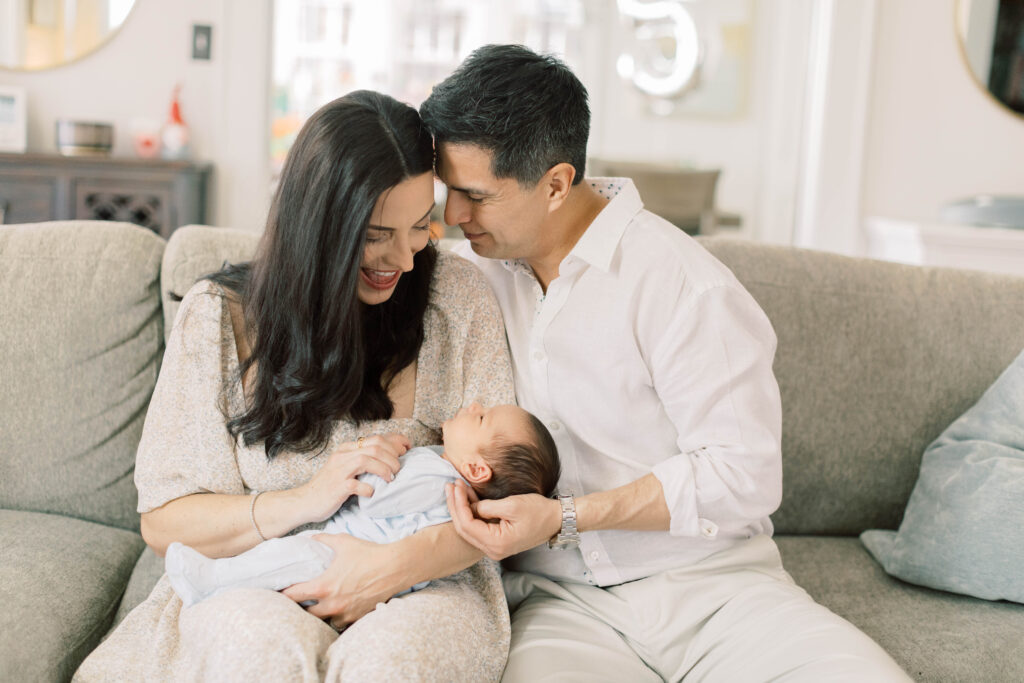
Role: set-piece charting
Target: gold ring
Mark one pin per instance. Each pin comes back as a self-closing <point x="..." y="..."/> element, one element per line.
<point x="359" y="441"/>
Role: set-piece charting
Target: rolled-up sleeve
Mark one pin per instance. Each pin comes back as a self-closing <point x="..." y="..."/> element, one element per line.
<point x="712" y="370"/>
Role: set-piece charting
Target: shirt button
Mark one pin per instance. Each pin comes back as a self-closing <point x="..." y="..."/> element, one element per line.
<point x="708" y="528"/>
<point x="594" y="556"/>
<point x="538" y="355"/>
<point x="555" y="425"/>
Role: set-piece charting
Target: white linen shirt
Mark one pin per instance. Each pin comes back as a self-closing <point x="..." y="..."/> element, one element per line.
<point x="646" y="355"/>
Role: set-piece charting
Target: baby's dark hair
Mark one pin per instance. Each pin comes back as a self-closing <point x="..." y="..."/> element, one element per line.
<point x="525" y="467"/>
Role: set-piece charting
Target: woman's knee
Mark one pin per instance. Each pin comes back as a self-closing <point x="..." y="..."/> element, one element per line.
<point x="258" y="631"/>
<point x="447" y="631"/>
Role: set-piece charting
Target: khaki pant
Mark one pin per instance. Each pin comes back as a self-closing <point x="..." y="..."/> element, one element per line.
<point x="735" y="617"/>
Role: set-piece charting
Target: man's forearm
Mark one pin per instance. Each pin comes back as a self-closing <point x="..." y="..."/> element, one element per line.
<point x="637" y="506"/>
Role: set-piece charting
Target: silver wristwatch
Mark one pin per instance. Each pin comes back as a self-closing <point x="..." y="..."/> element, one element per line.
<point x="568" y="536"/>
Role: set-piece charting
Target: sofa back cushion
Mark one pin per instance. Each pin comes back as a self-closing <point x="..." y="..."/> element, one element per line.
<point x="80" y="347"/>
<point x="194" y="251"/>
<point x="875" y="359"/>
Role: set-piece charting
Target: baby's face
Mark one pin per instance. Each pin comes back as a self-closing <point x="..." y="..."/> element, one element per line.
<point x="474" y="428"/>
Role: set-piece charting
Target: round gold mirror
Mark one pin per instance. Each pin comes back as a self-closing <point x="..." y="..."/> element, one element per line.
<point x="42" y="34"/>
<point x="991" y="34"/>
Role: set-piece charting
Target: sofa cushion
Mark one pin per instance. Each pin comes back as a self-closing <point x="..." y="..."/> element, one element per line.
<point x="60" y="583"/>
<point x="934" y="636"/>
<point x="874" y="360"/>
<point x="80" y="348"/>
<point x="194" y="251"/>
<point x="963" y="530"/>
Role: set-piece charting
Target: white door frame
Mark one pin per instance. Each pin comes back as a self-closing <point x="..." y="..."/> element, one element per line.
<point x="829" y="187"/>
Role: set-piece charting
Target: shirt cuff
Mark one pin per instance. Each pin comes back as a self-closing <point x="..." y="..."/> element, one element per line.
<point x="679" y="485"/>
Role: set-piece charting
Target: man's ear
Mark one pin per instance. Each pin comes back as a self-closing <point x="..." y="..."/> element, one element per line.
<point x="557" y="183"/>
<point x="476" y="472"/>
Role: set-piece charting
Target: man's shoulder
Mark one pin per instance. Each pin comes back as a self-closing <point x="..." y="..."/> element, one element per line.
<point x="651" y="247"/>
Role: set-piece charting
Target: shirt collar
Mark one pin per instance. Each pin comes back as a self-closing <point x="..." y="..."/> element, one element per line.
<point x="598" y="243"/>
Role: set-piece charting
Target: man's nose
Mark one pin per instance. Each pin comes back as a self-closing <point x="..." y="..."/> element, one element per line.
<point x="456" y="209"/>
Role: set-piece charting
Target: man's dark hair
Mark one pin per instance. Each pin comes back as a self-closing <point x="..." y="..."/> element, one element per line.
<point x="321" y="355"/>
<point x="529" y="110"/>
<point x="525" y="467"/>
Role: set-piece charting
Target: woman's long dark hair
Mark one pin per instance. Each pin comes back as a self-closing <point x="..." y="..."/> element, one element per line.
<point x="320" y="354"/>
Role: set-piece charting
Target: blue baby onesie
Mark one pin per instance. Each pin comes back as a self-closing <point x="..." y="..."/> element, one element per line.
<point x="413" y="500"/>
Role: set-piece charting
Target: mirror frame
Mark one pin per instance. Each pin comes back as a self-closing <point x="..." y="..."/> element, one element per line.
<point x="960" y="31"/>
<point x="77" y="58"/>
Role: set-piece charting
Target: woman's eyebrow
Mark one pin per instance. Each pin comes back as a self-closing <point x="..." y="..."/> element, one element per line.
<point x="382" y="227"/>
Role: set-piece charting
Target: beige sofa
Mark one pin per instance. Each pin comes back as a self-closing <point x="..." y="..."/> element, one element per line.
<point x="874" y="360"/>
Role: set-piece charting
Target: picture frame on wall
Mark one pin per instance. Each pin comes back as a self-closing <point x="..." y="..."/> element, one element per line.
<point x="13" y="119"/>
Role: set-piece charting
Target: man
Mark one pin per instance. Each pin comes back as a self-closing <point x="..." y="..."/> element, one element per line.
<point x="652" y="367"/>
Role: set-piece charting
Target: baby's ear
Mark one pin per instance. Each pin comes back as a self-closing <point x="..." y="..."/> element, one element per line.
<point x="477" y="472"/>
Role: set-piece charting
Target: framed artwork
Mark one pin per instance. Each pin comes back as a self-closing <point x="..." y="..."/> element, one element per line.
<point x="13" y="119"/>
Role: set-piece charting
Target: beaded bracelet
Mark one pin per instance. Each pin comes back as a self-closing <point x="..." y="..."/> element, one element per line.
<point x="252" y="513"/>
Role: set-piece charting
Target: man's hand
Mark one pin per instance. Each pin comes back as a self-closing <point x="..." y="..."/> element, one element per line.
<point x="504" y="527"/>
<point x="360" y="576"/>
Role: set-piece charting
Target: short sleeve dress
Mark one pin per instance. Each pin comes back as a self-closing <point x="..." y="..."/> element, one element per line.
<point x="455" y="629"/>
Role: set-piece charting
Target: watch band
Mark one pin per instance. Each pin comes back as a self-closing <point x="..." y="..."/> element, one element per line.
<point x="568" y="536"/>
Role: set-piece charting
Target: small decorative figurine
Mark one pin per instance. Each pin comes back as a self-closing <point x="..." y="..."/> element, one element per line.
<point x="175" y="133"/>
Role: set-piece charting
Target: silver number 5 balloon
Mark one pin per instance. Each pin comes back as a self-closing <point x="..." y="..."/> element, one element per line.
<point x="645" y="63"/>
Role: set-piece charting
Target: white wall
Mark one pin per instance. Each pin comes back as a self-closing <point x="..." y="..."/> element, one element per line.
<point x="225" y="103"/>
<point x="756" y="150"/>
<point x="224" y="100"/>
<point x="933" y="136"/>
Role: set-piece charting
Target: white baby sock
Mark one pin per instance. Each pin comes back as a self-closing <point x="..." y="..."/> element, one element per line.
<point x="190" y="572"/>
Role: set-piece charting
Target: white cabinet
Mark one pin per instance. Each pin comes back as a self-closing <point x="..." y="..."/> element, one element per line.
<point x="997" y="250"/>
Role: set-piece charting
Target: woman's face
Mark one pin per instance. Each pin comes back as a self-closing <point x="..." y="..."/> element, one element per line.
<point x="399" y="228"/>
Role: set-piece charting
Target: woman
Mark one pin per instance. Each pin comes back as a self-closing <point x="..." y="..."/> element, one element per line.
<point x="347" y="339"/>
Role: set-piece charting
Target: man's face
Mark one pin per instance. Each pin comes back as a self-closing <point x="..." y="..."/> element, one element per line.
<point x="497" y="216"/>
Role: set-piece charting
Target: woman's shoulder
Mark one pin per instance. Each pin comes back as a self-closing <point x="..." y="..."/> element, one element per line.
<point x="204" y="296"/>
<point x="201" y="312"/>
<point x="458" y="280"/>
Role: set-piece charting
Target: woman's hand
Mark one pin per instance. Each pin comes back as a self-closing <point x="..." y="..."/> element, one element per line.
<point x="336" y="480"/>
<point x="361" y="575"/>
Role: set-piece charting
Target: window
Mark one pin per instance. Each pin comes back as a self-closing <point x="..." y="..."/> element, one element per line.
<point x="326" y="48"/>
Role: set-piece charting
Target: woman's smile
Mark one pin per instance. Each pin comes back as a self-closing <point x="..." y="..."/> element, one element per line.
<point x="380" y="279"/>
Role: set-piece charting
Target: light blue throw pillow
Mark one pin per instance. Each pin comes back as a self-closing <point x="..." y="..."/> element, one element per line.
<point x="963" y="529"/>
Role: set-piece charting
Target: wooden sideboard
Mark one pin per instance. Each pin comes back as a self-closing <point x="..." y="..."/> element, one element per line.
<point x="156" y="194"/>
